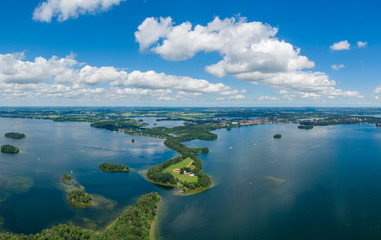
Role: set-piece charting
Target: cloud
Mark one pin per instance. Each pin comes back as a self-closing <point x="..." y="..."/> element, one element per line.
<point x="377" y="90"/>
<point x="167" y="99"/>
<point x="343" y="45"/>
<point x="331" y="93"/>
<point x="154" y="80"/>
<point x="337" y="67"/>
<point x="268" y="98"/>
<point x="151" y="30"/>
<point x="250" y="52"/>
<point x="14" y="70"/>
<point x="65" y="9"/>
<point x="361" y="44"/>
<point x="66" y="77"/>
<point x="237" y="97"/>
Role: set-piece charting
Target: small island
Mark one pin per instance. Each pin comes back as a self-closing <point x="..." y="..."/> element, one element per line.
<point x="66" y="177"/>
<point x="9" y="149"/>
<point x="277" y="136"/>
<point x="78" y="198"/>
<point x="113" y="167"/>
<point x="15" y="135"/>
<point x="306" y="127"/>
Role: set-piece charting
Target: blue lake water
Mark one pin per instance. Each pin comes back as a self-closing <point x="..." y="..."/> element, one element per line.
<point x="151" y="121"/>
<point x="323" y="183"/>
<point x="52" y="149"/>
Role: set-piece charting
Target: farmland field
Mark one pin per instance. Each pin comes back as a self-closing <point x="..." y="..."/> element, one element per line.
<point x="185" y="163"/>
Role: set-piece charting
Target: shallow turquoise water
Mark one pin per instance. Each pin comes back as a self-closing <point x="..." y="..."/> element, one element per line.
<point x="332" y="187"/>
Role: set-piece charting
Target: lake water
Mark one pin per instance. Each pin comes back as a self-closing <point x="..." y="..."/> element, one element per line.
<point x="51" y="149"/>
<point x="323" y="183"/>
<point x="151" y="121"/>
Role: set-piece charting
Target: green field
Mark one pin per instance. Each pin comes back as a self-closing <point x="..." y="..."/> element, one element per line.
<point x="182" y="177"/>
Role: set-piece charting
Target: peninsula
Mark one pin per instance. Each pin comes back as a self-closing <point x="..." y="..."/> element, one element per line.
<point x="169" y="172"/>
<point x="196" y="180"/>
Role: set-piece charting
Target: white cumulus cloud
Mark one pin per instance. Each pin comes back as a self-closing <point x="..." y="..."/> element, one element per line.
<point x="250" y="51"/>
<point x="66" y="77"/>
<point x="361" y="44"/>
<point x="65" y="9"/>
<point x="343" y="45"/>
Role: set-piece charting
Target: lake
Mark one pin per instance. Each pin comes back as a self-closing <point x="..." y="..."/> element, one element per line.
<point x="52" y="149"/>
<point x="323" y="183"/>
<point x="152" y="122"/>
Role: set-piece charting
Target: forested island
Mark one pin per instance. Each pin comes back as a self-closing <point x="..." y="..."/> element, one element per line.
<point x="135" y="223"/>
<point x="78" y="198"/>
<point x="306" y="127"/>
<point x="66" y="177"/>
<point x="15" y="135"/>
<point x="9" y="149"/>
<point x="113" y="167"/>
<point x="277" y="136"/>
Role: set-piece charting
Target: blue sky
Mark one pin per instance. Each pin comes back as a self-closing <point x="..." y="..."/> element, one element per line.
<point x="99" y="60"/>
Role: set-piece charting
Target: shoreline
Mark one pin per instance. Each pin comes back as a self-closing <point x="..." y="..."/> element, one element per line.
<point x="180" y="192"/>
<point x="154" y="233"/>
<point x="107" y="171"/>
<point x="161" y="184"/>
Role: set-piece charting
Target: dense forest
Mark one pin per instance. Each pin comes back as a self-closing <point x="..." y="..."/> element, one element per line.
<point x="113" y="167"/>
<point x="9" y="149"/>
<point x="115" y="125"/>
<point x="15" y="135"/>
<point x="135" y="223"/>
